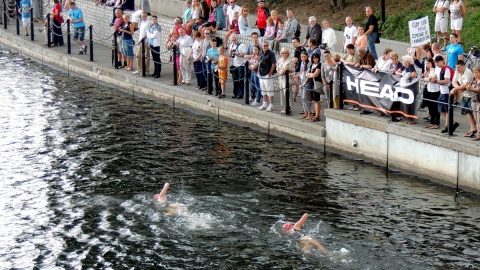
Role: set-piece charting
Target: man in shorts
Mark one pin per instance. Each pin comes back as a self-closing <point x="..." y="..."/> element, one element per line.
<point x="75" y="15"/>
<point x="461" y="79"/>
<point x="441" y="20"/>
<point x="267" y="63"/>
<point x="24" y="9"/>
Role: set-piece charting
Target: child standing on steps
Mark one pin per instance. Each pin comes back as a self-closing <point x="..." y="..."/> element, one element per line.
<point x="222" y="67"/>
<point x="24" y="9"/>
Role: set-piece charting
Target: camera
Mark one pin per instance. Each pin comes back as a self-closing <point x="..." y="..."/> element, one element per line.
<point x="323" y="46"/>
<point x="233" y="53"/>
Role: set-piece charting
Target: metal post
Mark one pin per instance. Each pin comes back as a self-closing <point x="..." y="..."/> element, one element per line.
<point x="330" y="94"/>
<point x="209" y="77"/>
<point x="91" y="42"/>
<point x="144" y="72"/>
<point x="49" y="31"/>
<point x="175" y="65"/>
<point x="246" y="85"/>
<point x="18" y="23"/>
<point x="69" y="43"/>
<point x="340" y="76"/>
<point x="115" y="50"/>
<point x="32" y="30"/>
<point x="450" y="115"/>
<point x="5" y="7"/>
<point x="287" y="93"/>
<point x="383" y="11"/>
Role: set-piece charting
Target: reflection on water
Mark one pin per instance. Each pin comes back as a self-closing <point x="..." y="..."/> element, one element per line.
<point x="81" y="163"/>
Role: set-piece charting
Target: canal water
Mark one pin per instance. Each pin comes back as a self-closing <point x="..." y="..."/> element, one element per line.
<point x="80" y="163"/>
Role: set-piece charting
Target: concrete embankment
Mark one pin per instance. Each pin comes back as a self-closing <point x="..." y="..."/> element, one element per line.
<point x="409" y="148"/>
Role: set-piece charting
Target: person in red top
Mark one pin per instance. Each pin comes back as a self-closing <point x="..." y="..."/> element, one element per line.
<point x="262" y="14"/>
<point x="234" y="26"/>
<point x="57" y="21"/>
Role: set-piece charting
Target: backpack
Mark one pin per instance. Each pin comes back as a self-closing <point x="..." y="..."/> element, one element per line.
<point x="297" y="31"/>
<point x="442" y="75"/>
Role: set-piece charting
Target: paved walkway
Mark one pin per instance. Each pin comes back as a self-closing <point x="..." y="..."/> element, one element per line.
<point x="103" y="57"/>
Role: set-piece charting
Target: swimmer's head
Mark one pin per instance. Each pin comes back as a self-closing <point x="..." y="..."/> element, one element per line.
<point x="288" y="226"/>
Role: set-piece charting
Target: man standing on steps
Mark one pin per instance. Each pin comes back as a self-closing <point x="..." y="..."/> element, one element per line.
<point x="314" y="31"/>
<point x="444" y="79"/>
<point x="350" y="34"/>
<point x="291" y="25"/>
<point x="144" y="28"/>
<point x="184" y="44"/>
<point x="75" y="15"/>
<point x="237" y="52"/>
<point x="266" y="65"/>
<point x="441" y="20"/>
<point x="371" y="31"/>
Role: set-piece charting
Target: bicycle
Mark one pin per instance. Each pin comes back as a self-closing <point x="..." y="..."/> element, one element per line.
<point x="472" y="57"/>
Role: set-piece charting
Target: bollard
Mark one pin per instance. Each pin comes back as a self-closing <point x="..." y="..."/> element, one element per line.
<point x="115" y="50"/>
<point x="175" y="65"/>
<point x="450" y="115"/>
<point x="209" y="77"/>
<point x="49" y="31"/>
<point x="144" y="72"/>
<point x="69" y="43"/>
<point x="340" y="77"/>
<point x="246" y="86"/>
<point x="91" y="42"/>
<point x="287" y="93"/>
<point x="5" y="7"/>
<point x="32" y="30"/>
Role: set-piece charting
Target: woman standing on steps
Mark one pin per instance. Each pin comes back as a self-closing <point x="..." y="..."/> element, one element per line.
<point x="475" y="87"/>
<point x="314" y="82"/>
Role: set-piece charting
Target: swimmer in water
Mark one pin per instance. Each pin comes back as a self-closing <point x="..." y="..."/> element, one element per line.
<point x="162" y="196"/>
<point x="306" y="242"/>
<point x="172" y="209"/>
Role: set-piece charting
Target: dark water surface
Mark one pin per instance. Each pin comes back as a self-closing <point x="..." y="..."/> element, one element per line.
<point x="79" y="165"/>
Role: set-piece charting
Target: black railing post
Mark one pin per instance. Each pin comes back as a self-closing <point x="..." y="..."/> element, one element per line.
<point x="18" y="23"/>
<point x="246" y="84"/>
<point x="49" y="31"/>
<point x="91" y="42"/>
<point x="209" y="77"/>
<point x="330" y="95"/>
<point x="144" y="72"/>
<point x="450" y="114"/>
<point x="175" y="65"/>
<point x="32" y="30"/>
<point x="287" y="93"/>
<point x="340" y="77"/>
<point x="5" y="7"/>
<point x="69" y="43"/>
<point x="115" y="49"/>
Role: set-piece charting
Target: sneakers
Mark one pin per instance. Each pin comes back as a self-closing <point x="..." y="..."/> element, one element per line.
<point x="80" y="52"/>
<point x="270" y="108"/>
<point x="254" y="103"/>
<point x="85" y="49"/>
<point x="136" y="72"/>
<point x="263" y="106"/>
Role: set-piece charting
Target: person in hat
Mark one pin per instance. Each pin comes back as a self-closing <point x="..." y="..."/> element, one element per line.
<point x="306" y="242"/>
<point x="262" y="15"/>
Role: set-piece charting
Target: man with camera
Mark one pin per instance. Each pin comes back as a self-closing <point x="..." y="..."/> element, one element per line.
<point x="237" y="52"/>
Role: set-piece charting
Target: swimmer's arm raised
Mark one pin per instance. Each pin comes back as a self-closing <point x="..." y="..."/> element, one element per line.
<point x="299" y="224"/>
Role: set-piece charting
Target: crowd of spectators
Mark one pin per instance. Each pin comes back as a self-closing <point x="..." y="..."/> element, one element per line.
<point x="312" y="66"/>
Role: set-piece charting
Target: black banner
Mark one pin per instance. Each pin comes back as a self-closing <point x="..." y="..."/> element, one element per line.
<point x="380" y="91"/>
